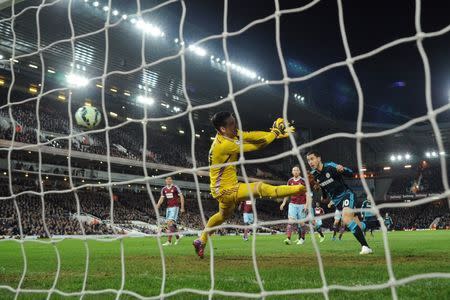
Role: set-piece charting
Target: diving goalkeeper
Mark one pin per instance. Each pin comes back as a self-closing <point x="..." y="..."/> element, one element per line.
<point x="224" y="182"/>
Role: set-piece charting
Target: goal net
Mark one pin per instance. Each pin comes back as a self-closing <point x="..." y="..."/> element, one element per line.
<point x="101" y="186"/>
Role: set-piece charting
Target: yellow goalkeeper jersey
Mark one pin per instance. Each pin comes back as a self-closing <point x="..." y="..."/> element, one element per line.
<point x="225" y="150"/>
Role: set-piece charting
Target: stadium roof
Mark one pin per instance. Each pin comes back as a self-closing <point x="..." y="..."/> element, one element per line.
<point x="392" y="81"/>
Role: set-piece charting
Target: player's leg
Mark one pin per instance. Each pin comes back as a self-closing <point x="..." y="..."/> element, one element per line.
<point x="365" y="229"/>
<point x="335" y="229"/>
<point x="171" y="215"/>
<point x="319" y="230"/>
<point x="261" y="189"/>
<point x="353" y="223"/>
<point x="337" y="220"/>
<point x="342" y="229"/>
<point x="169" y="233"/>
<point x="177" y="236"/>
<point x="245" y="223"/>
<point x="302" y="227"/>
<point x="173" y="227"/>
<point x="228" y="202"/>
<point x="373" y="225"/>
<point x="290" y="227"/>
<point x="248" y="220"/>
<point x="226" y="209"/>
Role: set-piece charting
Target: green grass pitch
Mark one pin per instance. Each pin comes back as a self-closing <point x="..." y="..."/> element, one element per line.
<point x="281" y="267"/>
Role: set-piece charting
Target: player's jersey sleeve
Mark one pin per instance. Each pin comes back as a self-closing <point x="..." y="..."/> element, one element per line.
<point x="255" y="137"/>
<point x="347" y="171"/>
<point x="252" y="141"/>
<point x="178" y="190"/>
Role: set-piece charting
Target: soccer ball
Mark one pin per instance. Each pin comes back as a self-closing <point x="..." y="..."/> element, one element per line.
<point x="88" y="116"/>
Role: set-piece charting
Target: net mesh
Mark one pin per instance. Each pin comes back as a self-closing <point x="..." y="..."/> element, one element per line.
<point x="295" y="151"/>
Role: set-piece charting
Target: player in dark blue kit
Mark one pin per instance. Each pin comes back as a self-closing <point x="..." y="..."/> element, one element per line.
<point x="330" y="178"/>
<point x="368" y="217"/>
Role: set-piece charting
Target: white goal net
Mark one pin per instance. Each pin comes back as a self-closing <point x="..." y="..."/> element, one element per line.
<point x="29" y="139"/>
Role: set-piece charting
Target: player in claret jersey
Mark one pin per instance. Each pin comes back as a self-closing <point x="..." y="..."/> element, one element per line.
<point x="297" y="209"/>
<point x="175" y="198"/>
<point x="247" y="210"/>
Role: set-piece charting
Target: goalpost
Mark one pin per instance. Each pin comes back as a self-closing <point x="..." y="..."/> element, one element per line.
<point x="147" y="180"/>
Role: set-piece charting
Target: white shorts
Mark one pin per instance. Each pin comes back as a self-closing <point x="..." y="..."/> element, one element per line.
<point x="296" y="212"/>
<point x="318" y="223"/>
<point x="337" y="214"/>
<point x="172" y="213"/>
<point x="248" y="218"/>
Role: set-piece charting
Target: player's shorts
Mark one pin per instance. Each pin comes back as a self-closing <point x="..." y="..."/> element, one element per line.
<point x="296" y="212"/>
<point x="172" y="213"/>
<point x="337" y="214"/>
<point x="371" y="222"/>
<point x="232" y="196"/>
<point x="248" y="218"/>
<point x="318" y="223"/>
<point x="346" y="199"/>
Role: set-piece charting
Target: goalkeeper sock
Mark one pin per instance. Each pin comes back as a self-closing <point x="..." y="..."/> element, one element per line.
<point x="357" y="232"/>
<point x="267" y="190"/>
<point x="215" y="220"/>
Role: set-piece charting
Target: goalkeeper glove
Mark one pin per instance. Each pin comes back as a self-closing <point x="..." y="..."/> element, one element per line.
<point x="280" y="129"/>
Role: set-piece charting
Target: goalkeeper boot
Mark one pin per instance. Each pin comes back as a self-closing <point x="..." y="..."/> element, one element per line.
<point x="365" y="250"/>
<point x="322" y="238"/>
<point x="287" y="241"/>
<point x="199" y="248"/>
<point x="167" y="244"/>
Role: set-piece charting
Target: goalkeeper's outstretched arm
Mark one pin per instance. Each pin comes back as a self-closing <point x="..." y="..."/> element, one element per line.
<point x="254" y="140"/>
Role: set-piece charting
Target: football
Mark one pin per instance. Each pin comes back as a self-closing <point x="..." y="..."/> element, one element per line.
<point x="88" y="116"/>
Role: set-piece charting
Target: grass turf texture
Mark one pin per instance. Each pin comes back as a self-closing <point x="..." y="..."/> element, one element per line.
<point x="281" y="267"/>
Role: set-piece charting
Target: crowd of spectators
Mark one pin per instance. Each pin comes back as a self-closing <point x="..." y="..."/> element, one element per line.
<point x="59" y="211"/>
<point x="419" y="217"/>
<point x="124" y="142"/>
